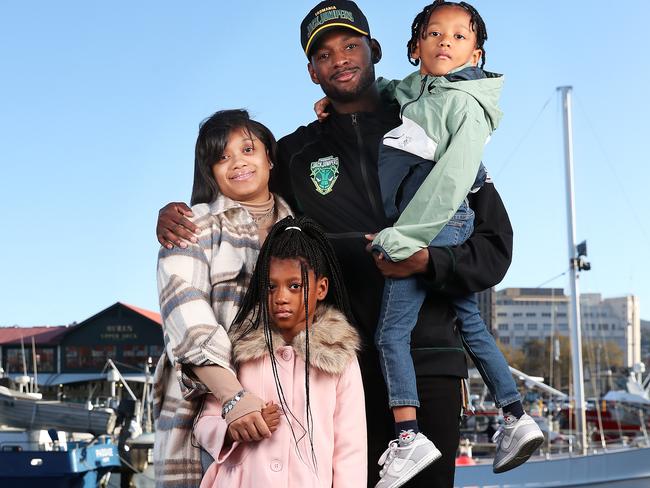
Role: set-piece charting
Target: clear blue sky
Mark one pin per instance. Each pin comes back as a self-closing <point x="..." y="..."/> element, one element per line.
<point x="100" y="104"/>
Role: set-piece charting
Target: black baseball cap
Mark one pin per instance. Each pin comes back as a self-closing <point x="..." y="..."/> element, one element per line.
<point x="329" y="15"/>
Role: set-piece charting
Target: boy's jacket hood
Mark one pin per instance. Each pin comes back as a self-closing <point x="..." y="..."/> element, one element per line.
<point x="484" y="86"/>
<point x="333" y="342"/>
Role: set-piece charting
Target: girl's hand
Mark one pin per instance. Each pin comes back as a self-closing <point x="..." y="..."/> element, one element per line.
<point x="271" y="415"/>
<point x="319" y="108"/>
<point x="249" y="428"/>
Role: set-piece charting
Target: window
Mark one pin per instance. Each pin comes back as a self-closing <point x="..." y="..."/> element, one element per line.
<point x="519" y="341"/>
<point x="88" y="357"/>
<point x="517" y="314"/>
<point x="532" y="326"/>
<point x="531" y="314"/>
<point x="45" y="362"/>
<point x="519" y="326"/>
<point x="546" y="314"/>
<point x="547" y="326"/>
<point x="502" y="314"/>
<point x="564" y="326"/>
<point x="561" y="314"/>
<point x="135" y="355"/>
<point x="503" y="326"/>
<point x="155" y="352"/>
<point x="504" y="340"/>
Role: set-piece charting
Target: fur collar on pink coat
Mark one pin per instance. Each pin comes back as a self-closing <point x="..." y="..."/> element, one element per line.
<point x="333" y="342"/>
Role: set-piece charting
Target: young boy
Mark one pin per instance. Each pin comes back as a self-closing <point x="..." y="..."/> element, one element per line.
<point x="427" y="167"/>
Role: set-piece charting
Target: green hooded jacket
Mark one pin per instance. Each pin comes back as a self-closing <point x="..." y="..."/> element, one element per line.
<point x="447" y="119"/>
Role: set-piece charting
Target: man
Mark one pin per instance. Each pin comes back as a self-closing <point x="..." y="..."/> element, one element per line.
<point x="328" y="171"/>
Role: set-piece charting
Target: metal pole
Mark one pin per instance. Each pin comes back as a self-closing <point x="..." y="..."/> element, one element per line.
<point x="34" y="366"/>
<point x="574" y="308"/>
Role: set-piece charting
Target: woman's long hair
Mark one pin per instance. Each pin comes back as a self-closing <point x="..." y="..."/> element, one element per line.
<point x="211" y="144"/>
<point x="301" y="239"/>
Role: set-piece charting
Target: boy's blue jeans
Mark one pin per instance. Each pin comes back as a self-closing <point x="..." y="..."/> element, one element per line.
<point x="400" y="307"/>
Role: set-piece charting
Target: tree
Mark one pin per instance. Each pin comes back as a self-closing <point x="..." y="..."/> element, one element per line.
<point x="550" y="358"/>
<point x="514" y="357"/>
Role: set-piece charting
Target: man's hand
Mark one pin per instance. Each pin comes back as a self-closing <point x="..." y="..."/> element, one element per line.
<point x="418" y="263"/>
<point x="251" y="427"/>
<point x="271" y="415"/>
<point x="172" y="228"/>
<point x="319" y="108"/>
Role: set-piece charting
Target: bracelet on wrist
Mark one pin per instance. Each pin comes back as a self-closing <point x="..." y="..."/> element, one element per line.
<point x="230" y="404"/>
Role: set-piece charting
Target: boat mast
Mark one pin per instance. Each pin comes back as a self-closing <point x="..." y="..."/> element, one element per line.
<point x="574" y="303"/>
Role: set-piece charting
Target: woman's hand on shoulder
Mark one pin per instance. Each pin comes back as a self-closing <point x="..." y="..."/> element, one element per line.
<point x="173" y="228"/>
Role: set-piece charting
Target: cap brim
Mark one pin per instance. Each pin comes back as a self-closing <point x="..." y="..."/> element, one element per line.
<point x="318" y="32"/>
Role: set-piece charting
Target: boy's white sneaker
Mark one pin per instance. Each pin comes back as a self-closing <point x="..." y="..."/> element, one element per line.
<point x="517" y="440"/>
<point x="404" y="458"/>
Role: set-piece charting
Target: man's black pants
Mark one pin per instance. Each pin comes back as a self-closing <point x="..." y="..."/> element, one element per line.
<point x="438" y="419"/>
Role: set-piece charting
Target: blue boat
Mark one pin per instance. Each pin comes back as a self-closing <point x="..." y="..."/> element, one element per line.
<point x="82" y="465"/>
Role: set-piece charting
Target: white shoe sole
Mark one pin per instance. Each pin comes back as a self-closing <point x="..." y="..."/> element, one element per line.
<point x="434" y="455"/>
<point x="525" y="448"/>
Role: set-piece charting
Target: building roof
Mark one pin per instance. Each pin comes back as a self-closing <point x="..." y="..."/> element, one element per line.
<point x="147" y="313"/>
<point x="45" y="335"/>
<point x="52" y="335"/>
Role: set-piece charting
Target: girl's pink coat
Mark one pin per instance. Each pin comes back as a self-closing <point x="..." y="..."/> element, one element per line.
<point x="337" y="406"/>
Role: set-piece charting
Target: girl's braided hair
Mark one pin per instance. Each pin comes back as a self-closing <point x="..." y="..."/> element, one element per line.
<point x="301" y="239"/>
<point x="421" y="21"/>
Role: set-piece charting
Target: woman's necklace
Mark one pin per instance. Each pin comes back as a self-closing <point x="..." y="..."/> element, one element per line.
<point x="266" y="215"/>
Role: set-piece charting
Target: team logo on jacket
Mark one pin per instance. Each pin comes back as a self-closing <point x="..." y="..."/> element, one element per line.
<point x="324" y="173"/>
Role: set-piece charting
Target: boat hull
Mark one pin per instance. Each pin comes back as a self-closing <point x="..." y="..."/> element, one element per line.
<point x="81" y="466"/>
<point x="624" y="468"/>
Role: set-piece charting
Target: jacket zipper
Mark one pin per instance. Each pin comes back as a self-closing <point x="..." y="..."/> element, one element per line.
<point x="422" y="85"/>
<point x="362" y="162"/>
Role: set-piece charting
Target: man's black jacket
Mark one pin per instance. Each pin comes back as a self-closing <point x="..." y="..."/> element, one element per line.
<point x="328" y="171"/>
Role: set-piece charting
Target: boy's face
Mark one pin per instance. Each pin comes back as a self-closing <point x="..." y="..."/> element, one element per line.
<point x="286" y="296"/>
<point x="449" y="42"/>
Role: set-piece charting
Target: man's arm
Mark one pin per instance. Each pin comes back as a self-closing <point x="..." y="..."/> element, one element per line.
<point x="484" y="259"/>
<point x="476" y="265"/>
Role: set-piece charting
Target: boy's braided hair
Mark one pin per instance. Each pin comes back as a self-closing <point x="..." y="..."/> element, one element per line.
<point x="421" y="21"/>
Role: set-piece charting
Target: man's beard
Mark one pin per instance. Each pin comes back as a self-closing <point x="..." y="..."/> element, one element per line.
<point x="366" y="80"/>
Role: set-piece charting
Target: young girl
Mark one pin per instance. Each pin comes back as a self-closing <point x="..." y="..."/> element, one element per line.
<point x="292" y="343"/>
<point x="201" y="286"/>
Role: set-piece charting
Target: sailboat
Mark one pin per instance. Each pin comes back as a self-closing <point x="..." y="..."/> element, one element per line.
<point x="624" y="466"/>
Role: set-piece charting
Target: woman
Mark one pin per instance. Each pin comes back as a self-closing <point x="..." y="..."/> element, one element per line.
<point x="201" y="285"/>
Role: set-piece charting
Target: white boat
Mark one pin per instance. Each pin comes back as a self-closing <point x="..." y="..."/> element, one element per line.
<point x="29" y="411"/>
<point x="626" y="466"/>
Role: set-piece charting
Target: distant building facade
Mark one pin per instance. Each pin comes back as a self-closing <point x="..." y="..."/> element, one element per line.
<point x="645" y="341"/>
<point x="487" y="301"/>
<point x="523" y="314"/>
<point x="77" y="353"/>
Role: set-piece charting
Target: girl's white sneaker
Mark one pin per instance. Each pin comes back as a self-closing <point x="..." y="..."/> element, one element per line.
<point x="404" y="458"/>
